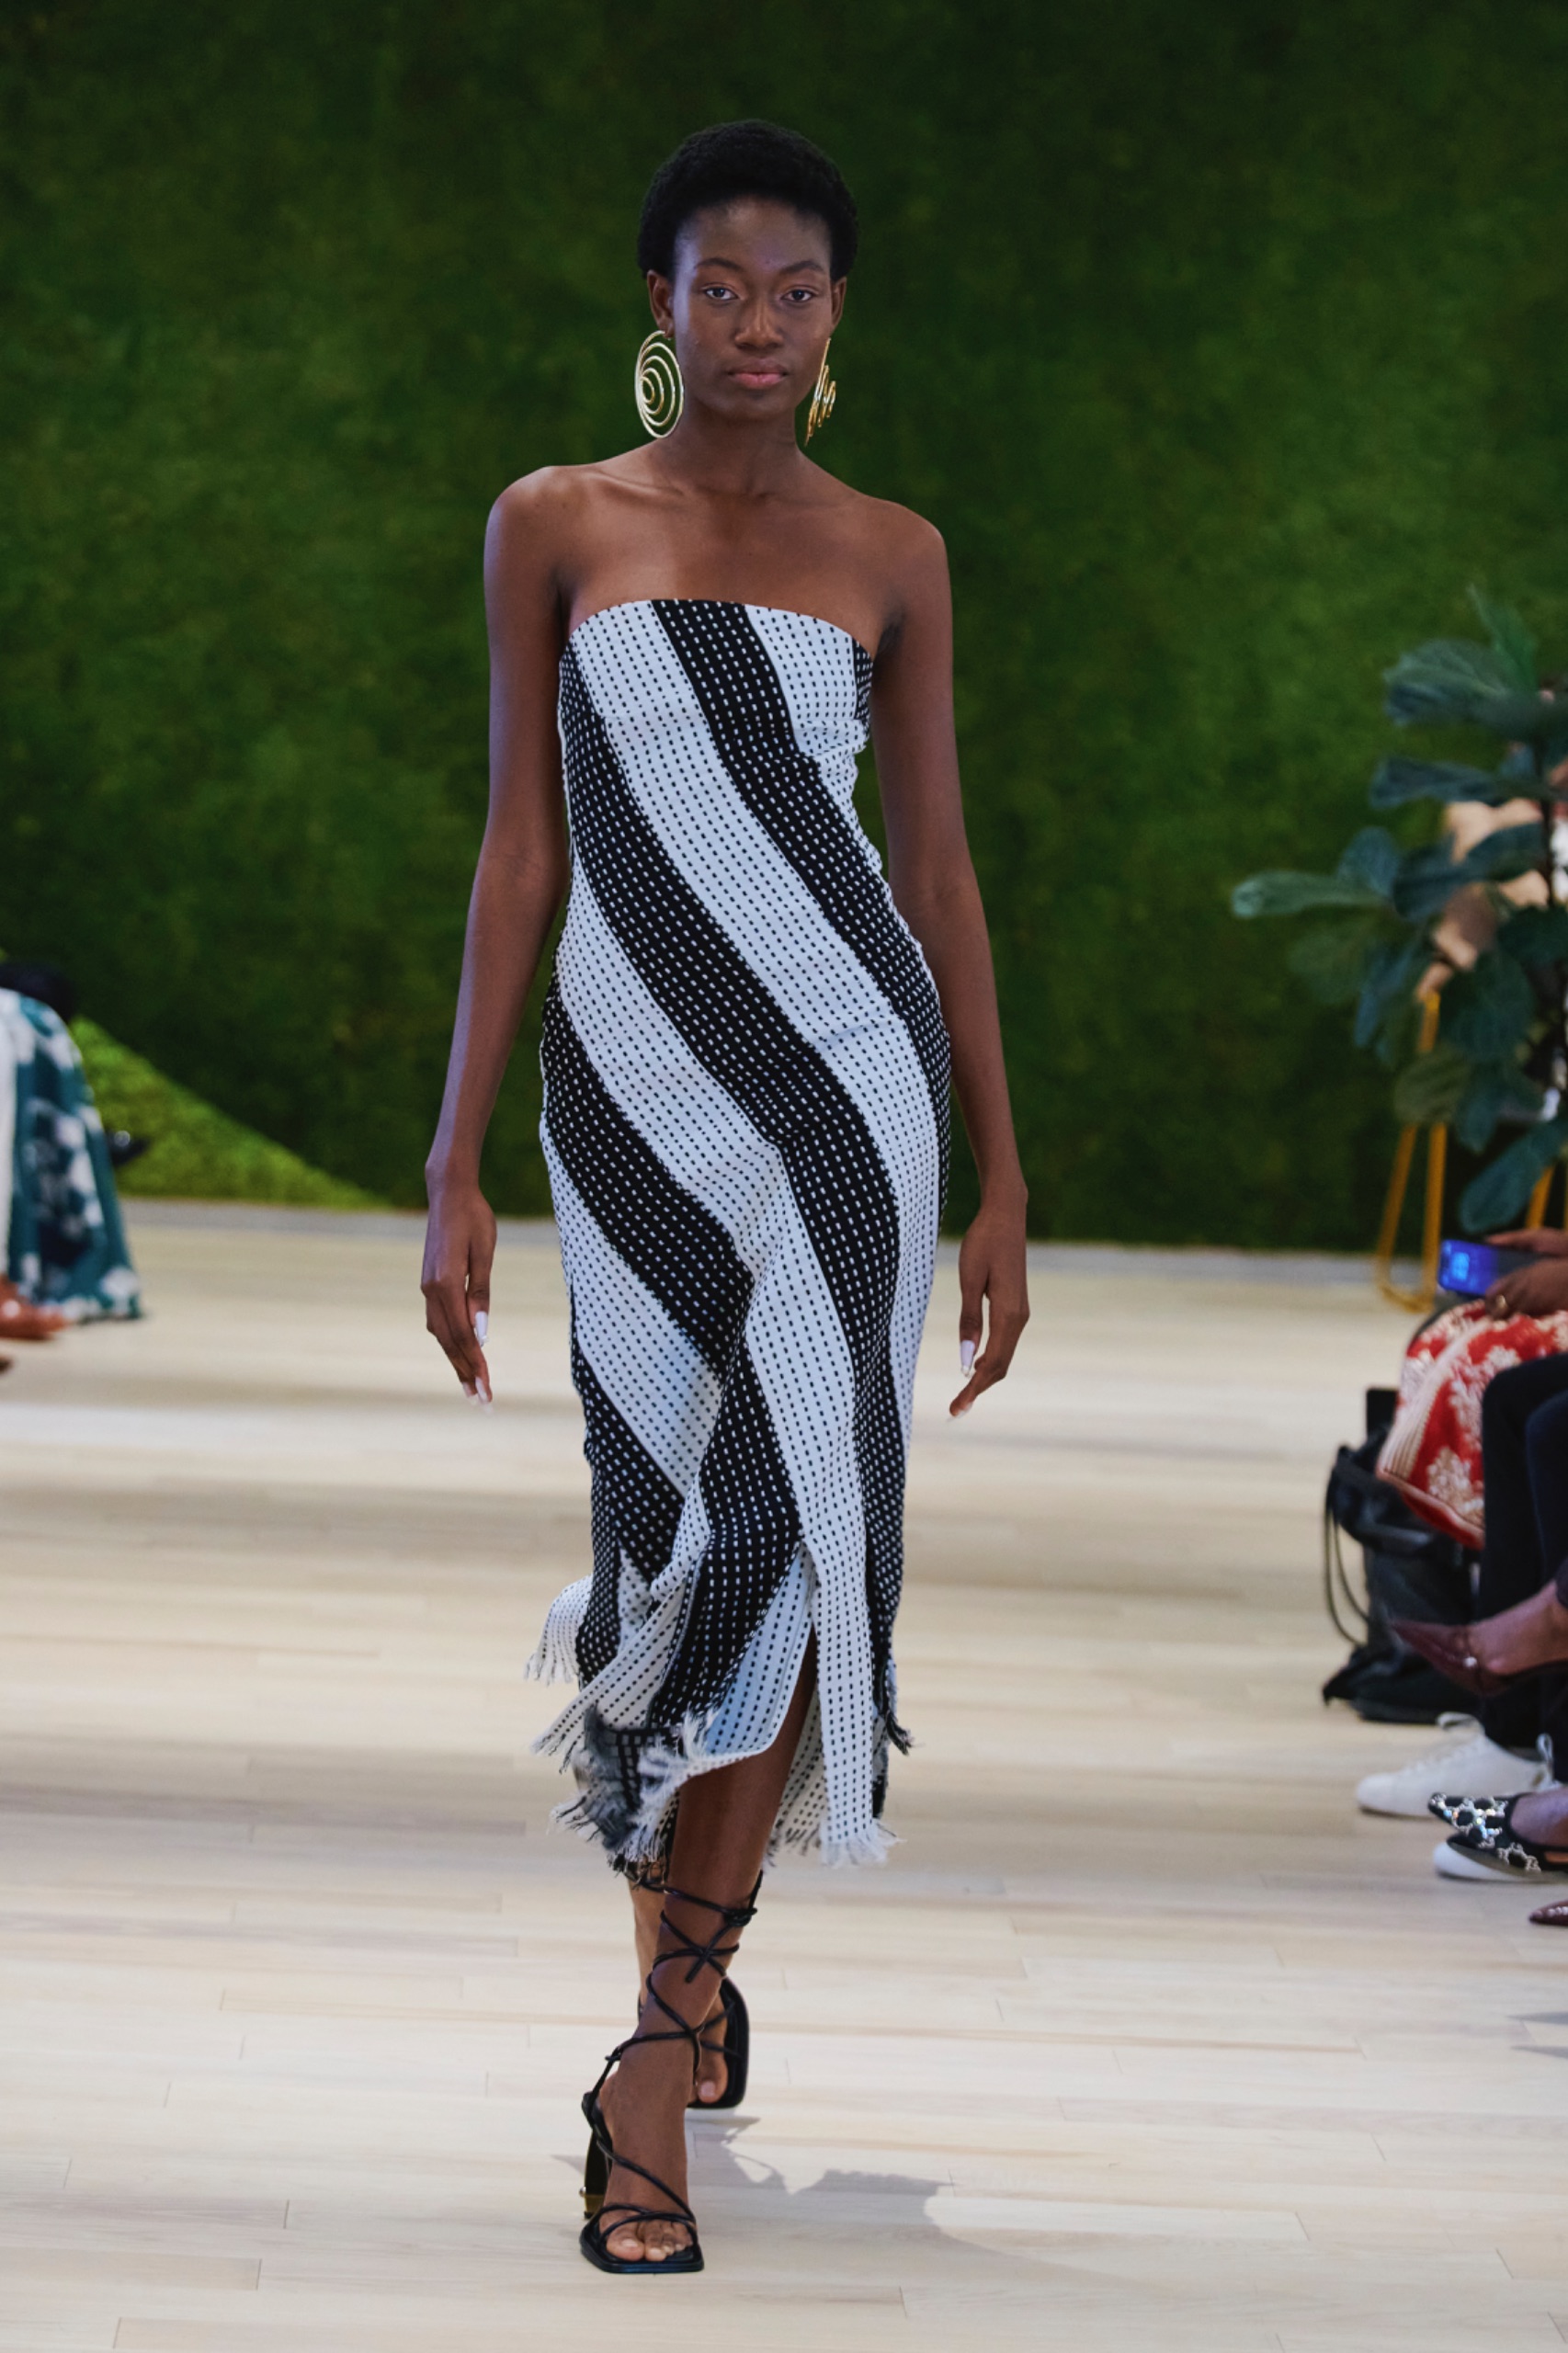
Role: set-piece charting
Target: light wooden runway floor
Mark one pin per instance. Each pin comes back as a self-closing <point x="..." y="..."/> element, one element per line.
<point x="1144" y="2039"/>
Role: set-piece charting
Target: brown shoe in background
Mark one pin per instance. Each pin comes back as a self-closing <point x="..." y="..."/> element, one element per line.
<point x="20" y="1320"/>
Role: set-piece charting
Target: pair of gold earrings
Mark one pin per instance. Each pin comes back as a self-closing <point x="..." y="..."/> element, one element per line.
<point x="659" y="395"/>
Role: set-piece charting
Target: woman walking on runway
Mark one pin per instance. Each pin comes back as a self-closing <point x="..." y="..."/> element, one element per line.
<point x="746" y="1064"/>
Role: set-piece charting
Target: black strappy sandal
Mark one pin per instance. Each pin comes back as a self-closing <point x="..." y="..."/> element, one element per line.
<point x="1483" y="1829"/>
<point x="735" y="2048"/>
<point x="594" y="2236"/>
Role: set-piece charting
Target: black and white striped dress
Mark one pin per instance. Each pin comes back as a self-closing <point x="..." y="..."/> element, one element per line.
<point x="745" y="1123"/>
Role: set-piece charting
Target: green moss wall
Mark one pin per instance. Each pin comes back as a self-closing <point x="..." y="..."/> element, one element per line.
<point x="1225" y="343"/>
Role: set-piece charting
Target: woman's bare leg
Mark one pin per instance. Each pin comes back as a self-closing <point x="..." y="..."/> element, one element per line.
<point x="722" y="1833"/>
<point x="712" y="2072"/>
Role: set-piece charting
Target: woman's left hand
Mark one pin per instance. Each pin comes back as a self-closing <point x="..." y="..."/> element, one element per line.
<point x="1541" y="1289"/>
<point x="992" y="1273"/>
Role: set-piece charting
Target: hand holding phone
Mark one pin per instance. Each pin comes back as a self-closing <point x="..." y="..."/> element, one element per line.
<point x="1470" y="1269"/>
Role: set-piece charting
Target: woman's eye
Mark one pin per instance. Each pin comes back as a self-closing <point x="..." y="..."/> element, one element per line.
<point x="720" y="293"/>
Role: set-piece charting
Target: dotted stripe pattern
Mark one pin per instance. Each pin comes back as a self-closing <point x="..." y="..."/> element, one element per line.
<point x="686" y="696"/>
<point x="723" y="653"/>
<point x="742" y="1037"/>
<point x="681" y="1252"/>
<point x="634" y="1509"/>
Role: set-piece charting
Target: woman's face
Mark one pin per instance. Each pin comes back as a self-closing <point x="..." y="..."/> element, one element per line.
<point x="751" y="306"/>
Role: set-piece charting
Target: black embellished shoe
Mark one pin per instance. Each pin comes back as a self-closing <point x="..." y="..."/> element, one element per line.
<point x="597" y="2229"/>
<point x="1482" y="1829"/>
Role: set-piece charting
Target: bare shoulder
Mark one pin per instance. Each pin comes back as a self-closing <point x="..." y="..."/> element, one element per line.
<point x="902" y="547"/>
<point x="904" y="555"/>
<point x="548" y="517"/>
<point x="543" y="505"/>
<point x="881" y="524"/>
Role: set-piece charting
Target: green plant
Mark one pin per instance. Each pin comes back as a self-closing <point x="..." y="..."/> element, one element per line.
<point x="195" y="1152"/>
<point x="1501" y="1054"/>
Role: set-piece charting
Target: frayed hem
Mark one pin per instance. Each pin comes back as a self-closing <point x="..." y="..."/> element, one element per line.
<point x="555" y="1658"/>
<point x="864" y="1851"/>
<point x="599" y="1815"/>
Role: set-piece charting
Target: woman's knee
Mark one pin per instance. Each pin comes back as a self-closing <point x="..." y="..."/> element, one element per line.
<point x="1546" y="1437"/>
<point x="1512" y="1399"/>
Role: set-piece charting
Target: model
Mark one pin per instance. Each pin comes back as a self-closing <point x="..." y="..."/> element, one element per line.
<point x="747" y="1061"/>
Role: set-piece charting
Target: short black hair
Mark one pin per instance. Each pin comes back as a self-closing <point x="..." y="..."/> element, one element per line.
<point x="736" y="159"/>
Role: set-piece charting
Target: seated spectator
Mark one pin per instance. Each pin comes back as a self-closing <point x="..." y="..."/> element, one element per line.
<point x="66" y="1259"/>
<point x="1484" y="1413"/>
<point x="1432" y="1455"/>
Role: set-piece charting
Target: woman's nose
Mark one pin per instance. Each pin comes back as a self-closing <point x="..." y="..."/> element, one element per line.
<point x="759" y="326"/>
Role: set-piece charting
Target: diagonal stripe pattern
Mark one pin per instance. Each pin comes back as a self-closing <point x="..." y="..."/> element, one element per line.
<point x="745" y="1123"/>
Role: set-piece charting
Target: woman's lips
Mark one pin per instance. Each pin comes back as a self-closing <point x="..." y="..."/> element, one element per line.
<point x="758" y="380"/>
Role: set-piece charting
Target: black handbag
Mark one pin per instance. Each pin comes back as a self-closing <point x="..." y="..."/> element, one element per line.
<point x="1408" y="1571"/>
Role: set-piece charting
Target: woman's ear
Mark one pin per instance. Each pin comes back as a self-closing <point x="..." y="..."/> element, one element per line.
<point x="840" y="287"/>
<point x="659" y="293"/>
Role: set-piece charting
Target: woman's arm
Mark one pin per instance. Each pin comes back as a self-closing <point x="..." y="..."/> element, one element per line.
<point x="518" y="886"/>
<point x="934" y="888"/>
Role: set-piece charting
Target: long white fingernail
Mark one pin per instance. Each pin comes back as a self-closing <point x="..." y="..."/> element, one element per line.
<point x="965" y="1356"/>
<point x="480" y="1326"/>
<point x="484" y="1392"/>
<point x="469" y="1392"/>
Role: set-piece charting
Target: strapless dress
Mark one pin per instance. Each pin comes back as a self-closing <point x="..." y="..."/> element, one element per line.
<point x="745" y="1122"/>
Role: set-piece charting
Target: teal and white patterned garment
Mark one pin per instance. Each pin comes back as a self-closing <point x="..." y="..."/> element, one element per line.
<point x="65" y="1244"/>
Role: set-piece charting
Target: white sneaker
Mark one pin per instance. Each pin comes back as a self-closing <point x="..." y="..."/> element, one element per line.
<point x="1475" y="1768"/>
<point x="1452" y="1862"/>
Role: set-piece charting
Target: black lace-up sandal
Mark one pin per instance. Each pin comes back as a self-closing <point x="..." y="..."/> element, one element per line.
<point x="1483" y="1829"/>
<point x="735" y="2044"/>
<point x="597" y="2229"/>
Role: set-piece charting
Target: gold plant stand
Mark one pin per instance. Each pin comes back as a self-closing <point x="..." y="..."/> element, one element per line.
<point x="1421" y="1299"/>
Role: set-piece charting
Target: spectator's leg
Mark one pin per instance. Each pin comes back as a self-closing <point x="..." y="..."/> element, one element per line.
<point x="1546" y="1442"/>
<point x="1513" y="1564"/>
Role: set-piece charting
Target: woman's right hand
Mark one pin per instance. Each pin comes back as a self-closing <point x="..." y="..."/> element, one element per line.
<point x="459" y="1249"/>
<point x="1546" y="1241"/>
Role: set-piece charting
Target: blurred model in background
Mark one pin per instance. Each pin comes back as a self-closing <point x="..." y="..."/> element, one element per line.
<point x="66" y="1259"/>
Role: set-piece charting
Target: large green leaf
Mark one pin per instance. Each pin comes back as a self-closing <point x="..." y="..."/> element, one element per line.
<point x="1398" y="781"/>
<point x="1496" y="1197"/>
<point x="1363" y="879"/>
<point x="1443" y="680"/>
<point x="1511" y="641"/>
<point x="1511" y="851"/>
<point x="1386" y="1006"/>
<point x="1488" y="1010"/>
<point x="1454" y="678"/>
<point x="1494" y="1088"/>
<point x="1333" y="958"/>
<point x="1536" y="936"/>
<point x="1292" y="895"/>
<point x="1432" y="1086"/>
<point x="1373" y="858"/>
<point x="1428" y="878"/>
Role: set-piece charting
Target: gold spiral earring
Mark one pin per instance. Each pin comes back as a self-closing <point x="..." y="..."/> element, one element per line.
<point x="656" y="385"/>
<point x="823" y="394"/>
